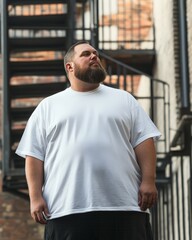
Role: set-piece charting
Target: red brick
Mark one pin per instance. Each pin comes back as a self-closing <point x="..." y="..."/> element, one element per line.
<point x="15" y="219"/>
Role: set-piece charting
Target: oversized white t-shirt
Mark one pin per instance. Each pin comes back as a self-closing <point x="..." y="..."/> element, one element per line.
<point x="87" y="141"/>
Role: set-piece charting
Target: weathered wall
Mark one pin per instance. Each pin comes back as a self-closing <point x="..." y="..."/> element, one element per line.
<point x="167" y="65"/>
<point x="168" y="69"/>
<point x="1" y="111"/>
<point x="165" y="58"/>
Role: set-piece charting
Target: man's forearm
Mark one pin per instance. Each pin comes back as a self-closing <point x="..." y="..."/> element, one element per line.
<point x="146" y="157"/>
<point x="35" y="178"/>
<point x="34" y="174"/>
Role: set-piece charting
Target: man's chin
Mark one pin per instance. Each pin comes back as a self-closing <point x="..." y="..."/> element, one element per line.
<point x="91" y="81"/>
<point x="93" y="75"/>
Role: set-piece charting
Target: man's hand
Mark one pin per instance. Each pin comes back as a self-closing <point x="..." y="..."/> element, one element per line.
<point x="39" y="210"/>
<point x="147" y="195"/>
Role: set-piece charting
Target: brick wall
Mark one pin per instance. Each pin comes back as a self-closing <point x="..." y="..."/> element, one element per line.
<point x="128" y="21"/>
<point x="134" y="11"/>
<point x="15" y="220"/>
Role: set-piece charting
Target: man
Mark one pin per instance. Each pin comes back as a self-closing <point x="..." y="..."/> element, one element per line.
<point x="90" y="158"/>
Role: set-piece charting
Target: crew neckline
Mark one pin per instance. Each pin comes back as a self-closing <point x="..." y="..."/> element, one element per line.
<point x="87" y="92"/>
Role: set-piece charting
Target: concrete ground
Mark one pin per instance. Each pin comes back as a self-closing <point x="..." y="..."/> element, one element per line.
<point x="15" y="220"/>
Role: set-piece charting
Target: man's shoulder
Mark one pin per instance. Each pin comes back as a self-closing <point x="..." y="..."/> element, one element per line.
<point x="51" y="100"/>
<point x="114" y="90"/>
<point x="56" y="96"/>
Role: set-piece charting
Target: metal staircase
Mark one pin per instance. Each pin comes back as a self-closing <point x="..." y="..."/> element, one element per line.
<point x="33" y="69"/>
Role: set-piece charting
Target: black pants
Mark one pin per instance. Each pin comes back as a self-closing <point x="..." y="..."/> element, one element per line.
<point x="126" y="225"/>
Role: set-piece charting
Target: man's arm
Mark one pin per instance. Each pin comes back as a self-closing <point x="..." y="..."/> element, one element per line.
<point x="146" y="157"/>
<point x="35" y="176"/>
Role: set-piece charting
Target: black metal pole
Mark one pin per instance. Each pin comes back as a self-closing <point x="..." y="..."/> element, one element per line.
<point x="94" y="23"/>
<point x="6" y="100"/>
<point x="71" y="23"/>
<point x="184" y="66"/>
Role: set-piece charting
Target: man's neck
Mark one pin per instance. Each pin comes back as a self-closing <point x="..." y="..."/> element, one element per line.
<point x="83" y="86"/>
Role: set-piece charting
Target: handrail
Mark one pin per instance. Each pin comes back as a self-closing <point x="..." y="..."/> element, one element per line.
<point x="184" y="120"/>
<point x="102" y="54"/>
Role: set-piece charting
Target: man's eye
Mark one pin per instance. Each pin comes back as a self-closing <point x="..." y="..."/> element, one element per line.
<point x="86" y="53"/>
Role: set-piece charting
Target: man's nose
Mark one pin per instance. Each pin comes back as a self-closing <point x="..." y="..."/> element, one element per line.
<point x="93" y="56"/>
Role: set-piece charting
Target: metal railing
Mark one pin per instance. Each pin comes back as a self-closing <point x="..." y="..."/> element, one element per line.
<point x="172" y="215"/>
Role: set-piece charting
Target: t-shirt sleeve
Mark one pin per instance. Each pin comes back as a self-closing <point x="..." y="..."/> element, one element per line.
<point x="33" y="141"/>
<point x="143" y="127"/>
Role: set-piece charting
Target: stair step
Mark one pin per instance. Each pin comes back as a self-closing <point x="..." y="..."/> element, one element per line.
<point x="21" y="114"/>
<point x="37" y="68"/>
<point x="16" y="182"/>
<point x="19" y="162"/>
<point x="32" y="91"/>
<point x="16" y="136"/>
<point x="163" y="181"/>
<point x="36" y="90"/>
<point x="37" y="44"/>
<point x="33" y="2"/>
<point x="55" y="22"/>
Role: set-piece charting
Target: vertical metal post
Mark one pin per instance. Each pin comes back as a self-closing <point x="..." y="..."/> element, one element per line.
<point x="155" y="222"/>
<point x="178" y="206"/>
<point x="6" y="101"/>
<point x="94" y="10"/>
<point x="183" y="198"/>
<point x="185" y="98"/>
<point x="152" y="98"/>
<point x="190" y="188"/>
<point x="172" y="201"/>
<point x="71" y="23"/>
<point x="168" y="209"/>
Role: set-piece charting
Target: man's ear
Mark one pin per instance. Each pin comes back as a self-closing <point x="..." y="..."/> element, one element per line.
<point x="69" y="66"/>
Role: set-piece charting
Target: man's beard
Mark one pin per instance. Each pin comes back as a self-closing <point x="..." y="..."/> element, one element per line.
<point x="90" y="75"/>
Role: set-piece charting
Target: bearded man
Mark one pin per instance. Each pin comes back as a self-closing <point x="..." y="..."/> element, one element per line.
<point x="90" y="157"/>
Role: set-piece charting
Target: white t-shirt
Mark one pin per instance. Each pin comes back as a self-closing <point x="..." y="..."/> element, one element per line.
<point x="87" y="141"/>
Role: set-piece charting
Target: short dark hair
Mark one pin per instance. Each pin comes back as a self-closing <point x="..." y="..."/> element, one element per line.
<point x="70" y="52"/>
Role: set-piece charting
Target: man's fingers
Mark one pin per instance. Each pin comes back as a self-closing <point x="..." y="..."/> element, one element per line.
<point x="46" y="215"/>
<point x="39" y="211"/>
<point x="38" y="217"/>
<point x="147" y="201"/>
